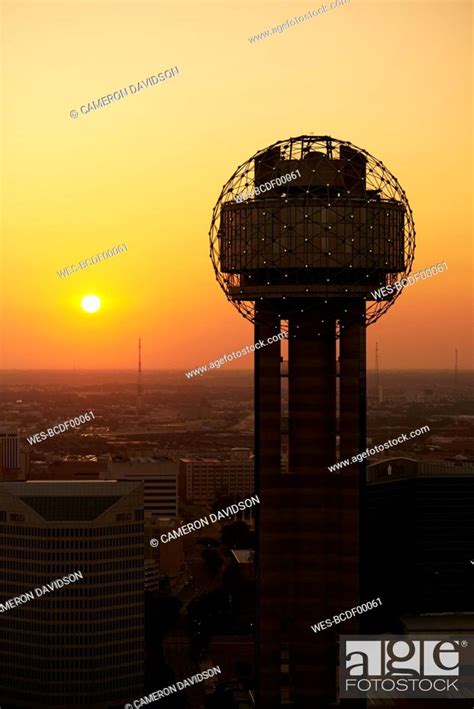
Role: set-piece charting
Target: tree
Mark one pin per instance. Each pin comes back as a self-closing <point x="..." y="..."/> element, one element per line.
<point x="222" y="500"/>
<point x="162" y="612"/>
<point x="208" y="542"/>
<point x="213" y="560"/>
<point x="236" y="535"/>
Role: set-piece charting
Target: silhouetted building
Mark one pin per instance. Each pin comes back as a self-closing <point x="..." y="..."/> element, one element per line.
<point x="81" y="645"/>
<point x="420" y="537"/>
<point x="306" y="254"/>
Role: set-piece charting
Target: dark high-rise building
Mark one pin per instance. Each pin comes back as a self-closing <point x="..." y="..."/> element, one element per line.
<point x="303" y="235"/>
<point x="81" y="644"/>
<point x="420" y="524"/>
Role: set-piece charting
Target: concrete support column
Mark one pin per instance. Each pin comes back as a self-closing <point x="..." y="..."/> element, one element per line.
<point x="312" y="393"/>
<point x="271" y="593"/>
<point x="312" y="447"/>
<point x="352" y="441"/>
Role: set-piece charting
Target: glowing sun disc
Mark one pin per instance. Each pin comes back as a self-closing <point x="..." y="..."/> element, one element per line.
<point x="90" y="303"/>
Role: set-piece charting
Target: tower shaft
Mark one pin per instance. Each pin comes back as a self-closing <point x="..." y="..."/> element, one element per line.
<point x="377" y="381"/>
<point x="309" y="518"/>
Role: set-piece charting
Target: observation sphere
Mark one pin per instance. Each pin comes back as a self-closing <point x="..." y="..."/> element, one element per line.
<point x="308" y="220"/>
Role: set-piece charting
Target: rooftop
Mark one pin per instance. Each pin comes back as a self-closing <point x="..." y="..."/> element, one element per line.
<point x="69" y="501"/>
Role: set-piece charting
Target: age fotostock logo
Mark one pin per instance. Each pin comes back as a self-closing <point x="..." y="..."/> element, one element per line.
<point x="404" y="666"/>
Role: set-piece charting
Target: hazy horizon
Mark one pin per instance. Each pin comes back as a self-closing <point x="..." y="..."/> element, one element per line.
<point x="69" y="205"/>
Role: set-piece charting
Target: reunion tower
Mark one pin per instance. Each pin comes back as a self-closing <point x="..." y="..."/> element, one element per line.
<point x="321" y="225"/>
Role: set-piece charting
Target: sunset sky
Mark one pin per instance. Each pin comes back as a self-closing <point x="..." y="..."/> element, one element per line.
<point x="393" y="77"/>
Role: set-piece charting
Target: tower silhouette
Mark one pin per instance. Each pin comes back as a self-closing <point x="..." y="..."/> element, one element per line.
<point x="323" y="225"/>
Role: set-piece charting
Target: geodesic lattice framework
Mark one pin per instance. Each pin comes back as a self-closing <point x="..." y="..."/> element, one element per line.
<point x="363" y="184"/>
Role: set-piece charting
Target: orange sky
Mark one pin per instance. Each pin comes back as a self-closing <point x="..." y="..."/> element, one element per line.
<point x="392" y="77"/>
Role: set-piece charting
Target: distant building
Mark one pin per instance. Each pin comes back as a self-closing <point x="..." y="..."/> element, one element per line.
<point x="160" y="480"/>
<point x="77" y="467"/>
<point x="10" y="449"/>
<point x="202" y="479"/>
<point x="194" y="411"/>
<point x="391" y="469"/>
<point x="81" y="645"/>
<point x="13" y="465"/>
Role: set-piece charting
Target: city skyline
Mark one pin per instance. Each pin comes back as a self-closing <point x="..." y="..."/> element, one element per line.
<point x="208" y="432"/>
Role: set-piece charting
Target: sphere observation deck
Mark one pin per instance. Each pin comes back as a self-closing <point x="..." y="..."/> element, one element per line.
<point x="338" y="225"/>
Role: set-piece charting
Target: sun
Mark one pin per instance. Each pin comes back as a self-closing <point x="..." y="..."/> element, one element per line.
<point x="90" y="303"/>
